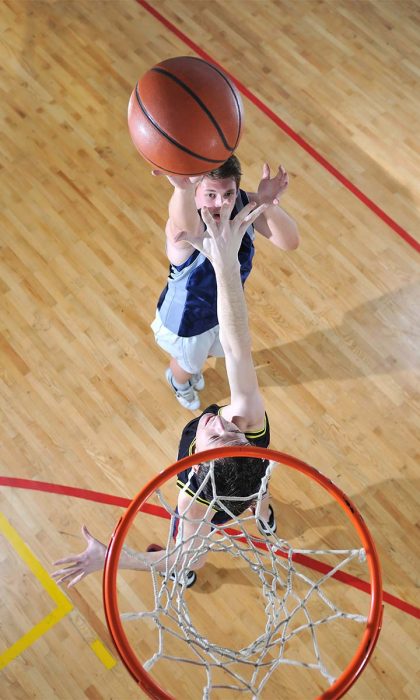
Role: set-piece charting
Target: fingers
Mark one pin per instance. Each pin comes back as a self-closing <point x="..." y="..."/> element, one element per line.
<point x="282" y="175"/>
<point x="195" y="241"/>
<point x="86" y="534"/>
<point x="224" y="213"/>
<point x="64" y="574"/>
<point x="76" y="580"/>
<point x="73" y="558"/>
<point x="250" y="218"/>
<point x="208" y="219"/>
<point x="156" y="173"/>
<point x="69" y="576"/>
<point x="245" y="212"/>
<point x="266" y="171"/>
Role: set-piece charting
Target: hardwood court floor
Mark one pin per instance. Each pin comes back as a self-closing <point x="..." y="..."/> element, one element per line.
<point x="83" y="399"/>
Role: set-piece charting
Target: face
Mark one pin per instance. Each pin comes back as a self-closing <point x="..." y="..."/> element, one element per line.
<point x="216" y="431"/>
<point x="213" y="193"/>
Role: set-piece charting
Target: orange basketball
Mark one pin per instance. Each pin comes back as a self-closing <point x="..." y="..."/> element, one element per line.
<point x="185" y="116"/>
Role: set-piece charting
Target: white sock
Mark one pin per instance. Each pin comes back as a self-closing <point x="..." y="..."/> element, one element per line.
<point x="178" y="386"/>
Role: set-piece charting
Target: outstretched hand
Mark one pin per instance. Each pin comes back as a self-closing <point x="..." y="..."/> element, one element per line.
<point x="181" y="182"/>
<point x="270" y="189"/>
<point x="80" y="565"/>
<point x="221" y="240"/>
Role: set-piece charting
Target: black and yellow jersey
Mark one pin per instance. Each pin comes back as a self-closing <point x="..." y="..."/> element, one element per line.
<point x="260" y="438"/>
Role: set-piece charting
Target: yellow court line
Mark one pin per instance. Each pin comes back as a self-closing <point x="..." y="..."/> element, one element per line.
<point x="33" y="564"/>
<point x="103" y="654"/>
<point x="64" y="606"/>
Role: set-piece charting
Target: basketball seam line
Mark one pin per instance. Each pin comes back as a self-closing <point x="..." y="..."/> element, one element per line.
<point x="226" y="79"/>
<point x="170" y="138"/>
<point x="164" y="71"/>
<point x="197" y="99"/>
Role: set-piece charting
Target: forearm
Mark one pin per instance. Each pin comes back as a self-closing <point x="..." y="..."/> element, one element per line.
<point x="161" y="561"/>
<point x="236" y="342"/>
<point x="232" y="312"/>
<point x="183" y="213"/>
<point x="282" y="228"/>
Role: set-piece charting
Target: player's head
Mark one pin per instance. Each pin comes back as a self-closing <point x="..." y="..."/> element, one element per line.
<point x="234" y="476"/>
<point x="231" y="169"/>
<point x="219" y="186"/>
<point x="216" y="431"/>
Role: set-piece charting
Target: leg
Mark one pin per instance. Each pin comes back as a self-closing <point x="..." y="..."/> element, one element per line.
<point x="266" y="522"/>
<point x="187" y="358"/>
<point x="179" y="374"/>
<point x="265" y="510"/>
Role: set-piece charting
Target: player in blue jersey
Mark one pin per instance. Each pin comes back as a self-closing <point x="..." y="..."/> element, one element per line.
<point x="186" y="323"/>
<point x="243" y="421"/>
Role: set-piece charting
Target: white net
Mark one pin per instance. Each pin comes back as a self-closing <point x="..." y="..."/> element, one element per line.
<point x="296" y="604"/>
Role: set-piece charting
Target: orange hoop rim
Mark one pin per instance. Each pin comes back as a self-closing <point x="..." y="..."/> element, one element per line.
<point x="370" y="635"/>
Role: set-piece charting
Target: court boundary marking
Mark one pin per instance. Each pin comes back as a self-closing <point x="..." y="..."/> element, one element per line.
<point x="63" y="605"/>
<point x="305" y="145"/>
<point x="109" y="499"/>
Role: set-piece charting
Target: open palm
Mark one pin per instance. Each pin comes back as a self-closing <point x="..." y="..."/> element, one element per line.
<point x="80" y="565"/>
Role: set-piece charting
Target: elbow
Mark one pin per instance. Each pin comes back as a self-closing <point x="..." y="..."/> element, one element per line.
<point x="292" y="240"/>
<point x="294" y="243"/>
<point x="290" y="243"/>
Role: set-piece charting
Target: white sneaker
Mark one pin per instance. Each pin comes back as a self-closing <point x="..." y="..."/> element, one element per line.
<point x="268" y="527"/>
<point x="197" y="380"/>
<point x="188" y="578"/>
<point x="188" y="398"/>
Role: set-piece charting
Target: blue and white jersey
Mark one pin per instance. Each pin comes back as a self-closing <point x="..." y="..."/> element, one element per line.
<point x="188" y="304"/>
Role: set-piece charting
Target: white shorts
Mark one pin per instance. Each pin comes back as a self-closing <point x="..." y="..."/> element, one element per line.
<point x="190" y="353"/>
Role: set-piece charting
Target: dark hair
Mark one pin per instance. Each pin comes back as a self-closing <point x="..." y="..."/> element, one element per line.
<point x="230" y="168"/>
<point x="233" y="476"/>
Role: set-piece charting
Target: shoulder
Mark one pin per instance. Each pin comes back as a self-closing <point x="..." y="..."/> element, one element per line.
<point x="249" y="416"/>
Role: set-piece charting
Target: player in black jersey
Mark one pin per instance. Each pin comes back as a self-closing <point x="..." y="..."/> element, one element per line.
<point x="243" y="421"/>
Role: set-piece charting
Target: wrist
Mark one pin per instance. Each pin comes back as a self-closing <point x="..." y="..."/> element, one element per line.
<point x="132" y="559"/>
<point x="227" y="269"/>
<point x="184" y="187"/>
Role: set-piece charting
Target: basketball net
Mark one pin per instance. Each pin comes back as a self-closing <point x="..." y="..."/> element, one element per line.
<point x="295" y="602"/>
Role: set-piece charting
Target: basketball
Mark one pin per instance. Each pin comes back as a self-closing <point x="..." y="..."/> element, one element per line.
<point x="185" y="116"/>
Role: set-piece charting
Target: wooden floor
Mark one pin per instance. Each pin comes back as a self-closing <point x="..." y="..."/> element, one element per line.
<point x="335" y="325"/>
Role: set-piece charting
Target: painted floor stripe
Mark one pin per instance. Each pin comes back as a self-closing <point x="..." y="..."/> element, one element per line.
<point x="361" y="196"/>
<point x="64" y="606"/>
<point x="103" y="654"/>
<point x="160" y="512"/>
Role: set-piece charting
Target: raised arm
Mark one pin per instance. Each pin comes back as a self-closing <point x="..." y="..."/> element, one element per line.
<point x="275" y="223"/>
<point x="183" y="216"/>
<point x="76" y="567"/>
<point x="220" y="243"/>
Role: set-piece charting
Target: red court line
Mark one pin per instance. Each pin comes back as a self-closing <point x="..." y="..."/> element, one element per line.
<point x="288" y="130"/>
<point x="108" y="499"/>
